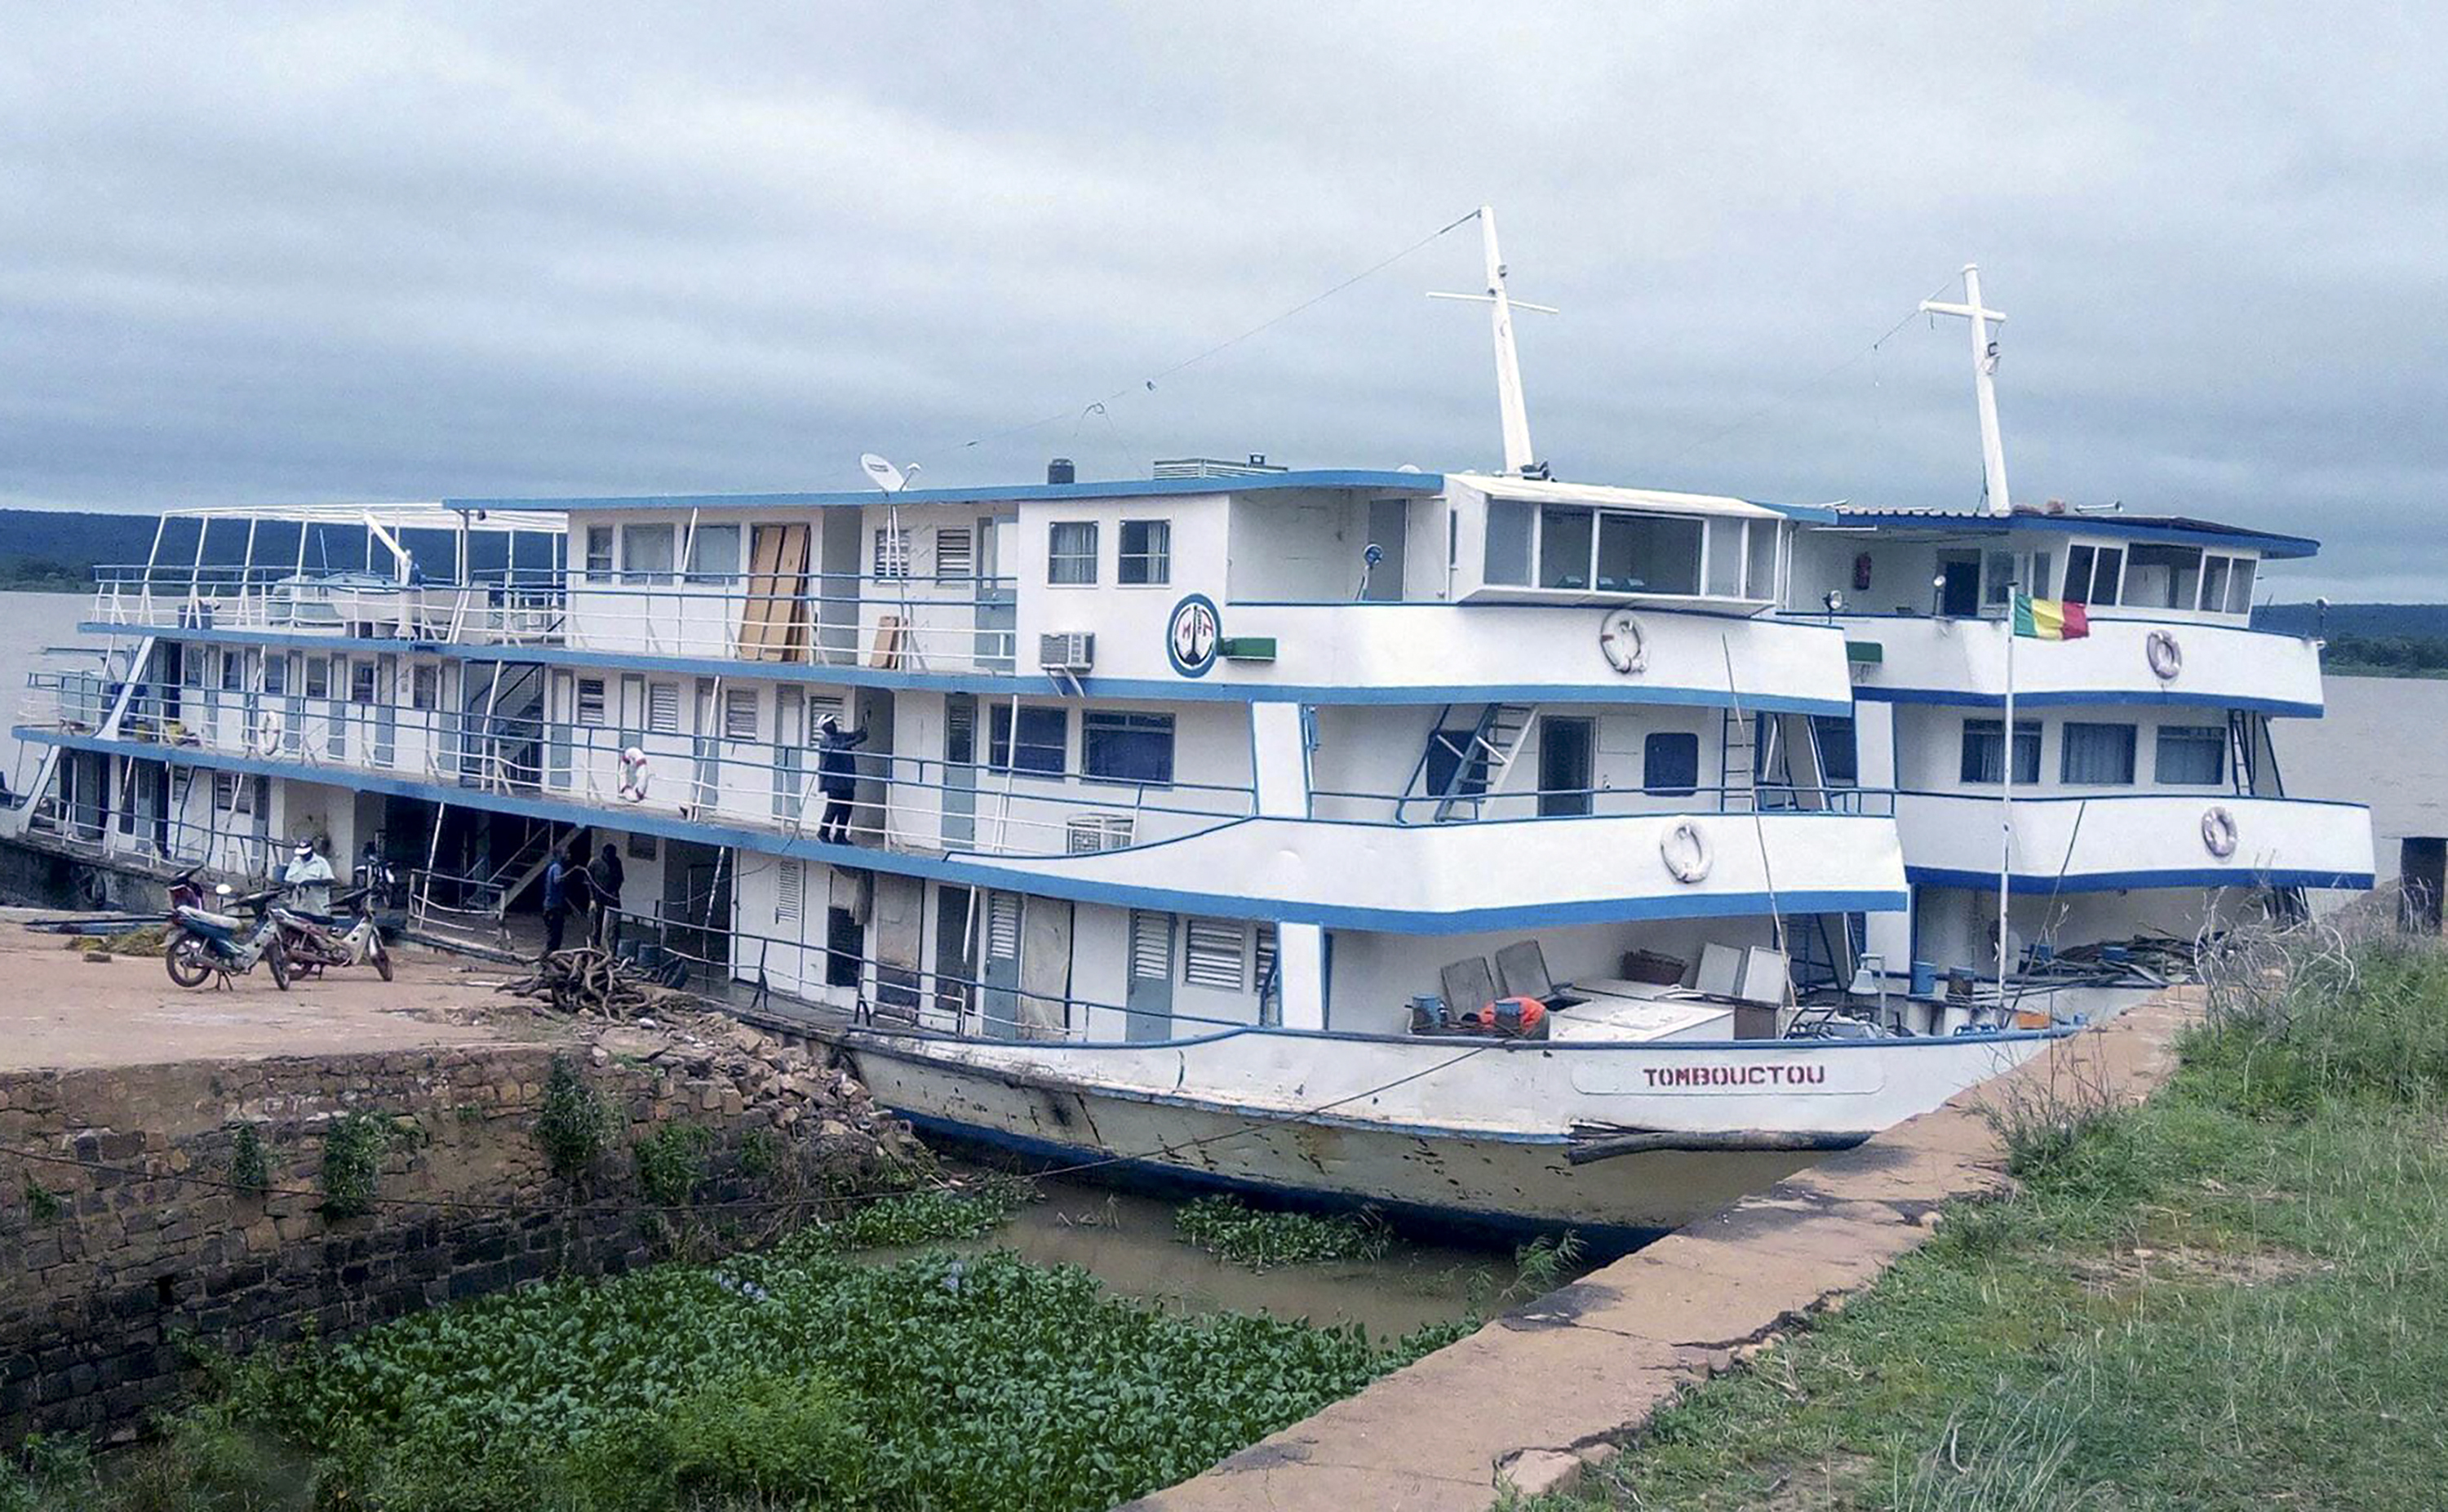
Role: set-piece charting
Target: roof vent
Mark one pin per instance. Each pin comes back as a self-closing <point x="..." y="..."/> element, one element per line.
<point x="1210" y="468"/>
<point x="1060" y="470"/>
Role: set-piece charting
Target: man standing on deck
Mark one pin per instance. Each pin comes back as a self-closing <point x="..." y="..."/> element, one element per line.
<point x="608" y="875"/>
<point x="836" y="778"/>
<point x="556" y="899"/>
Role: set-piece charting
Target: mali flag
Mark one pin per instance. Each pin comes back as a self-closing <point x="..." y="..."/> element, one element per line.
<point x="2050" y="619"/>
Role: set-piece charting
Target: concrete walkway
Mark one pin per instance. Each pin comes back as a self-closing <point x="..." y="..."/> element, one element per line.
<point x="1529" y="1400"/>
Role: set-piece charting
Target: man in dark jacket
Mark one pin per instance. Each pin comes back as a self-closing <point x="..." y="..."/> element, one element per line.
<point x="608" y="875"/>
<point x="836" y="778"/>
<point x="556" y="899"/>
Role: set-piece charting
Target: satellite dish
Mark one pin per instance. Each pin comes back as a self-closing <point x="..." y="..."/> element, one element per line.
<point x="886" y="476"/>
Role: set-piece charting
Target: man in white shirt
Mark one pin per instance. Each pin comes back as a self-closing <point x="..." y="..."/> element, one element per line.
<point x="309" y="879"/>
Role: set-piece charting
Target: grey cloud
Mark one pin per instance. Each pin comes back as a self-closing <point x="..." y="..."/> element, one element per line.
<point x="385" y="251"/>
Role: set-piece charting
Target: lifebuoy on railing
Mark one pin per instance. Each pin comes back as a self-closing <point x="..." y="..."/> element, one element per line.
<point x="2218" y="831"/>
<point x="2167" y="657"/>
<point x="635" y="775"/>
<point x="1685" y="850"/>
<point x="267" y="732"/>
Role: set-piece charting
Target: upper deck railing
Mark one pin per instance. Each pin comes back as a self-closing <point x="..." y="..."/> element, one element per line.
<point x="953" y="624"/>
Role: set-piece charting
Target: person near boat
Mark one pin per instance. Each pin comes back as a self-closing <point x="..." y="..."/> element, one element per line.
<point x="836" y="778"/>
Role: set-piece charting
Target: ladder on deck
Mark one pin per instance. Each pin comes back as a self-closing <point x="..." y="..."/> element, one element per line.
<point x="1738" y="762"/>
<point x="1481" y="760"/>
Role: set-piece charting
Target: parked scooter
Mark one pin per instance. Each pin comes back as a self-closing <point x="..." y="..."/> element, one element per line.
<point x="312" y="940"/>
<point x="204" y="942"/>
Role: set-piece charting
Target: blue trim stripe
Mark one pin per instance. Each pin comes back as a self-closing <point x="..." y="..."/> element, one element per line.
<point x="1005" y="684"/>
<point x="2128" y="881"/>
<point x="982" y="873"/>
<point x="1373" y="480"/>
<point x="1956" y="698"/>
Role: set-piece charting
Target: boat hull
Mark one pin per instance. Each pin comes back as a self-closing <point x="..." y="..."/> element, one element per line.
<point x="1488" y="1147"/>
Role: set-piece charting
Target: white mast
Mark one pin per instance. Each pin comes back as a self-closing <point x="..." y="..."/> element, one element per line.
<point x="1518" y="458"/>
<point x="1985" y="387"/>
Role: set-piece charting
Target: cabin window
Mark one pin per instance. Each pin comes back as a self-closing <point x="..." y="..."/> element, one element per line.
<point x="740" y="714"/>
<point x="1147" y="552"/>
<point x="1725" y="559"/>
<point x="1759" y="577"/>
<point x="714" y="553"/>
<point x="1984" y="760"/>
<point x="790" y="890"/>
<point x="2214" y="575"/>
<point x="664" y="708"/>
<point x="647" y="553"/>
<point x="224" y="792"/>
<point x="2092" y="574"/>
<point x="1507" y="557"/>
<point x="2239" y="586"/>
<point x="318" y="678"/>
<point x="423" y="687"/>
<point x="1071" y="551"/>
<point x="1669" y="763"/>
<point x="1215" y="953"/>
<point x="1265" y="963"/>
<point x="233" y="672"/>
<point x="1564" y="542"/>
<point x="1996" y="578"/>
<point x="1647" y="553"/>
<point x="1121" y="747"/>
<point x="1839" y="759"/>
<point x="275" y="671"/>
<point x="599" y="552"/>
<point x="2162" y="577"/>
<point x="2098" y="754"/>
<point x="1044" y="739"/>
<point x="955" y="553"/>
<point x="591" y="701"/>
<point x="2191" y="754"/>
<point x="361" y="681"/>
<point x="892" y="562"/>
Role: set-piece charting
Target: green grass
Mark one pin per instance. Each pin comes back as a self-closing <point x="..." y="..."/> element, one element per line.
<point x="2233" y="1296"/>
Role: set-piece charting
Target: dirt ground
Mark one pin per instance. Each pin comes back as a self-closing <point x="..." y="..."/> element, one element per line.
<point x="59" y="1010"/>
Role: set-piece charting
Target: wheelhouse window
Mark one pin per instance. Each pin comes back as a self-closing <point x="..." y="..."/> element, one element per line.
<point x="1147" y="552"/>
<point x="2227" y="585"/>
<point x="2096" y="754"/>
<point x="1984" y="758"/>
<point x="1669" y="763"/>
<point x="714" y="553"/>
<point x="647" y="553"/>
<point x="2191" y="755"/>
<point x="1118" y="746"/>
<point x="2162" y="577"/>
<point x="2092" y="574"/>
<point x="1071" y="551"/>
<point x="1647" y="553"/>
<point x="1043" y="743"/>
<point x="1564" y="542"/>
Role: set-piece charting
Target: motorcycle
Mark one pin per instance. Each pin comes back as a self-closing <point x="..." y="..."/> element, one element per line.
<point x="312" y="940"/>
<point x="204" y="942"/>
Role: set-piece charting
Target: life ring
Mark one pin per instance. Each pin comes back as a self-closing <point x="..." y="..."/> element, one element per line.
<point x="267" y="732"/>
<point x="635" y="775"/>
<point x="2218" y="831"/>
<point x="1685" y="850"/>
<point x="1622" y="643"/>
<point x="2167" y="658"/>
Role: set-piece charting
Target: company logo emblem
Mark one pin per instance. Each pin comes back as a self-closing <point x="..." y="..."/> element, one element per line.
<point x="1190" y="638"/>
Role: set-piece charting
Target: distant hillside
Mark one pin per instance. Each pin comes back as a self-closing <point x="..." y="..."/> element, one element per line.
<point x="2370" y="639"/>
<point x="55" y="552"/>
<point x="2420" y="621"/>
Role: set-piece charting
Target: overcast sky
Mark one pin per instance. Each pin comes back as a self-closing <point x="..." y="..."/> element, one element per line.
<point x="366" y="252"/>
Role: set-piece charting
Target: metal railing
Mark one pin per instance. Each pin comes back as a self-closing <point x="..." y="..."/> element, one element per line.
<point x="809" y="619"/>
<point x="1410" y="810"/>
<point x="904" y="802"/>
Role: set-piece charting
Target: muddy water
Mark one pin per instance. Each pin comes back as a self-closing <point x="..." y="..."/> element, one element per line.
<point x="1127" y="1241"/>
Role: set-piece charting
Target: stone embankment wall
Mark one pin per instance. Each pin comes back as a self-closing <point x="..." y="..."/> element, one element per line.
<point x="135" y="1218"/>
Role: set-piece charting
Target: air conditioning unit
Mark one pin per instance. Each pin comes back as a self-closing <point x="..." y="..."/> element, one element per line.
<point x="1086" y="833"/>
<point x="1066" y="651"/>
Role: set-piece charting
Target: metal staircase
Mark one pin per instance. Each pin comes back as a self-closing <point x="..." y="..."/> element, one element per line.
<point x="1459" y="769"/>
<point x="463" y="909"/>
<point x="1738" y="763"/>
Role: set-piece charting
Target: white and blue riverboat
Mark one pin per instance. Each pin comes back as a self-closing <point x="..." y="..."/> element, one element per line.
<point x="1190" y="814"/>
